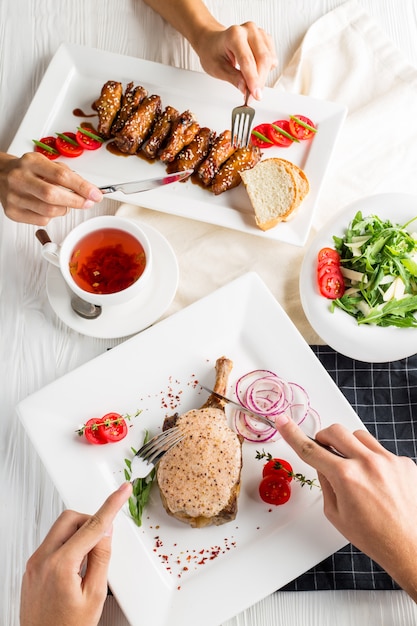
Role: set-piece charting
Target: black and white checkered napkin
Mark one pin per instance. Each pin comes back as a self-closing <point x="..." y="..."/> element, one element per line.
<point x="384" y="395"/>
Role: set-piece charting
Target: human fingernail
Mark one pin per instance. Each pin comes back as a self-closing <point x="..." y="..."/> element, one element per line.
<point x="258" y="93"/>
<point x="95" y="195"/>
<point x="88" y="204"/>
<point x="281" y="420"/>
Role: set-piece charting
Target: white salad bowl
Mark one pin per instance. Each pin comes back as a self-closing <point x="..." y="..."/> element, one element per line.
<point x="369" y="343"/>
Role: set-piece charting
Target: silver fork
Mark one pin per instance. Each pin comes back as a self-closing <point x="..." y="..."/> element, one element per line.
<point x="149" y="455"/>
<point x="242" y="118"/>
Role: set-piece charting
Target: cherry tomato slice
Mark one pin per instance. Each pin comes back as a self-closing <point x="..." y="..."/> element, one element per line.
<point x="275" y="490"/>
<point x="328" y="253"/>
<point x="299" y="131"/>
<point x="262" y="129"/>
<point x="278" y="138"/>
<point x="93" y="431"/>
<point x="66" y="148"/>
<point x="87" y="142"/>
<point x="331" y="285"/>
<point x="278" y="468"/>
<point x="328" y="267"/>
<point x="51" y="143"/>
<point x="114" y="427"/>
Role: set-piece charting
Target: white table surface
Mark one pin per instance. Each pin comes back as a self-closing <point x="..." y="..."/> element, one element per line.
<point x="36" y="348"/>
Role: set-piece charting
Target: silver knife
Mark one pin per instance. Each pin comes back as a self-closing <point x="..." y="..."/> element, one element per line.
<point x="145" y="185"/>
<point x="265" y="420"/>
<point x="257" y="416"/>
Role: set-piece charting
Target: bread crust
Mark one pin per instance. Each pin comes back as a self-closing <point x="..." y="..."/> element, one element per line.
<point x="280" y="206"/>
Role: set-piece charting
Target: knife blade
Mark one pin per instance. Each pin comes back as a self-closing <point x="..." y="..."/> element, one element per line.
<point x="244" y="410"/>
<point x="265" y="420"/>
<point x="146" y="185"/>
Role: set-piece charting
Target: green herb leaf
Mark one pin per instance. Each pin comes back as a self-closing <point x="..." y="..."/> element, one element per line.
<point x="261" y="136"/>
<point x="304" y="124"/>
<point x="90" y="134"/>
<point x="44" y="146"/>
<point x="284" y="132"/>
<point x="382" y="252"/>
<point x="141" y="488"/>
<point x="67" y="139"/>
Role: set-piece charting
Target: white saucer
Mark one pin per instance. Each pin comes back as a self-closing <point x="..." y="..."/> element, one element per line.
<point x="129" y="318"/>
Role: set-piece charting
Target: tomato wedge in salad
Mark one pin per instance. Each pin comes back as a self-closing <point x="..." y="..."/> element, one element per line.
<point x="329" y="275"/>
<point x="47" y="147"/>
<point x="275" y="490"/>
<point x="302" y="127"/>
<point x="328" y="253"/>
<point x="331" y="285"/>
<point x="68" y="147"/>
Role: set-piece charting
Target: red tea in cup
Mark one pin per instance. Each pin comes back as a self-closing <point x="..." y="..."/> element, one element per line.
<point x="107" y="260"/>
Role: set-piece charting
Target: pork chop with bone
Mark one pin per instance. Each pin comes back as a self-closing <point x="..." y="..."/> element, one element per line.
<point x="199" y="478"/>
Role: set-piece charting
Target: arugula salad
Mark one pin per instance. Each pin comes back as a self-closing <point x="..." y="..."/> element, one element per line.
<point x="378" y="261"/>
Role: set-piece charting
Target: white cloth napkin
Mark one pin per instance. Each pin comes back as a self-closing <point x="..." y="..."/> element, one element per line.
<point x="344" y="57"/>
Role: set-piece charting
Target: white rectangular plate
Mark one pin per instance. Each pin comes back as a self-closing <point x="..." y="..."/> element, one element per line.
<point x="166" y="572"/>
<point x="74" y="79"/>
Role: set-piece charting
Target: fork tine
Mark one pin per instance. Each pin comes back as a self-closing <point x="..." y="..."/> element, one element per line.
<point x="158" y="445"/>
<point x="151" y="452"/>
<point x="243" y="132"/>
<point x="242" y="118"/>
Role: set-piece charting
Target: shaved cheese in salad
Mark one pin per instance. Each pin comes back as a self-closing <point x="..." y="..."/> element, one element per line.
<point x="379" y="266"/>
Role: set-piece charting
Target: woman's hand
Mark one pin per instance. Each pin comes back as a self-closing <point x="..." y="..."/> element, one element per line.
<point x="53" y="590"/>
<point x="370" y="496"/>
<point x="242" y="55"/>
<point x="34" y="190"/>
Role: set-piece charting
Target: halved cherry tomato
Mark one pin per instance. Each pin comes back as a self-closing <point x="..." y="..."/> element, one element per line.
<point x="114" y="427"/>
<point x="278" y="467"/>
<point x="66" y="148"/>
<point x="264" y="141"/>
<point x="87" y="142"/>
<point x="93" y="431"/>
<point x="275" y="490"/>
<point x="328" y="253"/>
<point x="278" y="138"/>
<point x="51" y="154"/>
<point x="298" y="130"/>
<point x="331" y="284"/>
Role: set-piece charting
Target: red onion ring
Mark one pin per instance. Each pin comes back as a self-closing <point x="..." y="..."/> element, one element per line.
<point x="264" y="392"/>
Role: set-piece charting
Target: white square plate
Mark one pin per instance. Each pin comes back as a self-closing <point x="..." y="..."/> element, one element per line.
<point x="166" y="572"/>
<point x="74" y="79"/>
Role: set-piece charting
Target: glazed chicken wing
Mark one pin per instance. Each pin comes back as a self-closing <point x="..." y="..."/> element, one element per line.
<point x="183" y="131"/>
<point x="192" y="155"/>
<point x="107" y="106"/>
<point x="138" y="126"/>
<point x="229" y="174"/>
<point x="220" y="151"/>
<point x="160" y="132"/>
<point x="131" y="99"/>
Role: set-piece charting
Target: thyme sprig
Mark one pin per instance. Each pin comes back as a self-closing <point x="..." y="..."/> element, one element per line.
<point x="107" y="422"/>
<point x="141" y="488"/>
<point x="310" y="482"/>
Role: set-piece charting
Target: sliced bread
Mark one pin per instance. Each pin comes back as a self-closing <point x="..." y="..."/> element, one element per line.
<point x="276" y="187"/>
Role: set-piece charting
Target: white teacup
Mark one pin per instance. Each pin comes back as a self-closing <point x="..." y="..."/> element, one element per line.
<point x="105" y="260"/>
